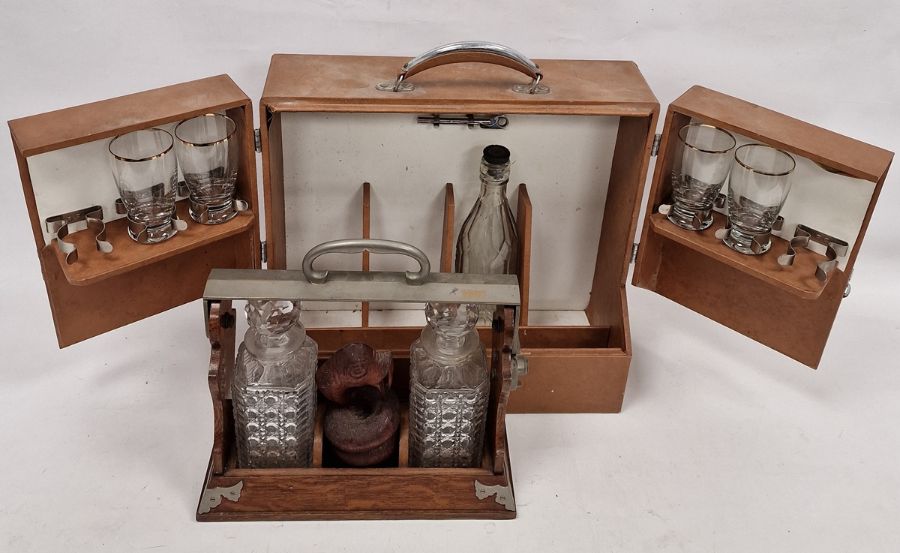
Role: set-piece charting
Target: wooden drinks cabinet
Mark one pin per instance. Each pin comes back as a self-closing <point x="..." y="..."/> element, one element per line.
<point x="351" y="150"/>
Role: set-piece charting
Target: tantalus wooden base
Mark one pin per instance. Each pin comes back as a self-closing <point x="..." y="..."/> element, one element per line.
<point x="356" y="494"/>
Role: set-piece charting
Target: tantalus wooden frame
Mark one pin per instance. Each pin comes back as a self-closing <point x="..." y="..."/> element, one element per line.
<point x="327" y="490"/>
<point x="572" y="368"/>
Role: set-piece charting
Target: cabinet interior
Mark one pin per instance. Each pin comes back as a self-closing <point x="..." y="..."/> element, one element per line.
<point x="420" y="182"/>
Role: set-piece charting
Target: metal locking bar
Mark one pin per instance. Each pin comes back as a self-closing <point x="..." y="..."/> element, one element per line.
<point x="483" y="121"/>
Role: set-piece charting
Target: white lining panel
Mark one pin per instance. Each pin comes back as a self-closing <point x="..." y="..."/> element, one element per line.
<point x="565" y="160"/>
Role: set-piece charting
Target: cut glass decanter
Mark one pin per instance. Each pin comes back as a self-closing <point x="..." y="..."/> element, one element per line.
<point x="274" y="388"/>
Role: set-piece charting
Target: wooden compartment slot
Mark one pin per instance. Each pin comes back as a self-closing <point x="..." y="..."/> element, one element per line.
<point x="448" y="239"/>
<point x="127" y="255"/>
<point x="523" y="229"/>
<point x="800" y="278"/>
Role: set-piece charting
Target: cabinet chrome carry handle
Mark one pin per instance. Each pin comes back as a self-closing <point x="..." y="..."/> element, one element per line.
<point x="469" y="51"/>
<point x="370" y="245"/>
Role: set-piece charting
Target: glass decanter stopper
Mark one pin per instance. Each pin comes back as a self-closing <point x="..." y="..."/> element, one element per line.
<point x="448" y="390"/>
<point x="488" y="243"/>
<point x="274" y="387"/>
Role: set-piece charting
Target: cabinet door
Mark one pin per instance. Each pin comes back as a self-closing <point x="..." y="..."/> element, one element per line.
<point x="834" y="189"/>
<point x="64" y="161"/>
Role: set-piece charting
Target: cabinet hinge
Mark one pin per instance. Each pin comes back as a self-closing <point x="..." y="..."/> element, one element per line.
<point x="654" y="149"/>
<point x="263" y="256"/>
<point x="257" y="141"/>
<point x="634" y="252"/>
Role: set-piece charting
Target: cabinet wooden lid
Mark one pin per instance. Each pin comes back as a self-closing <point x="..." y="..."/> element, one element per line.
<point x="298" y="82"/>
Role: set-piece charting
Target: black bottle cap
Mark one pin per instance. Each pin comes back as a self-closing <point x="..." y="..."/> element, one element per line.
<point x="496" y="154"/>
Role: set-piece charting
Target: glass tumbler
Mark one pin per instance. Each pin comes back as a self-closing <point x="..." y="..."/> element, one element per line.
<point x="207" y="149"/>
<point x="760" y="182"/>
<point x="698" y="174"/>
<point x="146" y="174"/>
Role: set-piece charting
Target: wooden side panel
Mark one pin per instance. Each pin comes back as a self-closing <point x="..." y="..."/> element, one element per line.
<point x="447" y="241"/>
<point x="572" y="381"/>
<point x="246" y="188"/>
<point x="647" y="262"/>
<point x="273" y="187"/>
<point x="220" y="328"/>
<point x="629" y="170"/>
<point x="501" y="386"/>
<point x="794" y="326"/>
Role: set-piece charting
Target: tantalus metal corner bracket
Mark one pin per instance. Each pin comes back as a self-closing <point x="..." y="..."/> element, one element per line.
<point x="212" y="497"/>
<point x="503" y="494"/>
<point x="60" y="226"/>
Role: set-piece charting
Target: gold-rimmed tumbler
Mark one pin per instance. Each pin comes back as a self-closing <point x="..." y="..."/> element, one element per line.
<point x="207" y="148"/>
<point x="698" y="173"/>
<point x="759" y="185"/>
<point x="146" y="173"/>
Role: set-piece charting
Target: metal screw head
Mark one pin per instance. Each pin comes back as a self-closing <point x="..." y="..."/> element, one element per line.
<point x="519" y="369"/>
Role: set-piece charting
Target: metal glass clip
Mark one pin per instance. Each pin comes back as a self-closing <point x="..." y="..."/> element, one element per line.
<point x="803" y="235"/>
<point x="60" y="227"/>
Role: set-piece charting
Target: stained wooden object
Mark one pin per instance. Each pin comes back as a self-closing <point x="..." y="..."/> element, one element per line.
<point x="102" y="292"/>
<point x="523" y="229"/>
<point x="448" y="239"/>
<point x="785" y="309"/>
<point x="572" y="368"/>
<point x="321" y="492"/>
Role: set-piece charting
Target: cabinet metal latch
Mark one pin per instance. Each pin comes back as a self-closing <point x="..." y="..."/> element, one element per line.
<point x="634" y="252"/>
<point x="263" y="256"/>
<point x="257" y="141"/>
<point x="654" y="149"/>
<point x="483" y="121"/>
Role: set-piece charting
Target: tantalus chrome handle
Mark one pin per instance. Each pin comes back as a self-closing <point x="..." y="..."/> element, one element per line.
<point x="469" y="51"/>
<point x="366" y="245"/>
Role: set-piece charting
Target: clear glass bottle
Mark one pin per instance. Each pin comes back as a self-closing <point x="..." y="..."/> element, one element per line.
<point x="274" y="388"/>
<point x="488" y="243"/>
<point x="448" y="390"/>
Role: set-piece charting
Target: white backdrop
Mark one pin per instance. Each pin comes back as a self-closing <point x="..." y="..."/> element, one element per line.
<point x="722" y="446"/>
